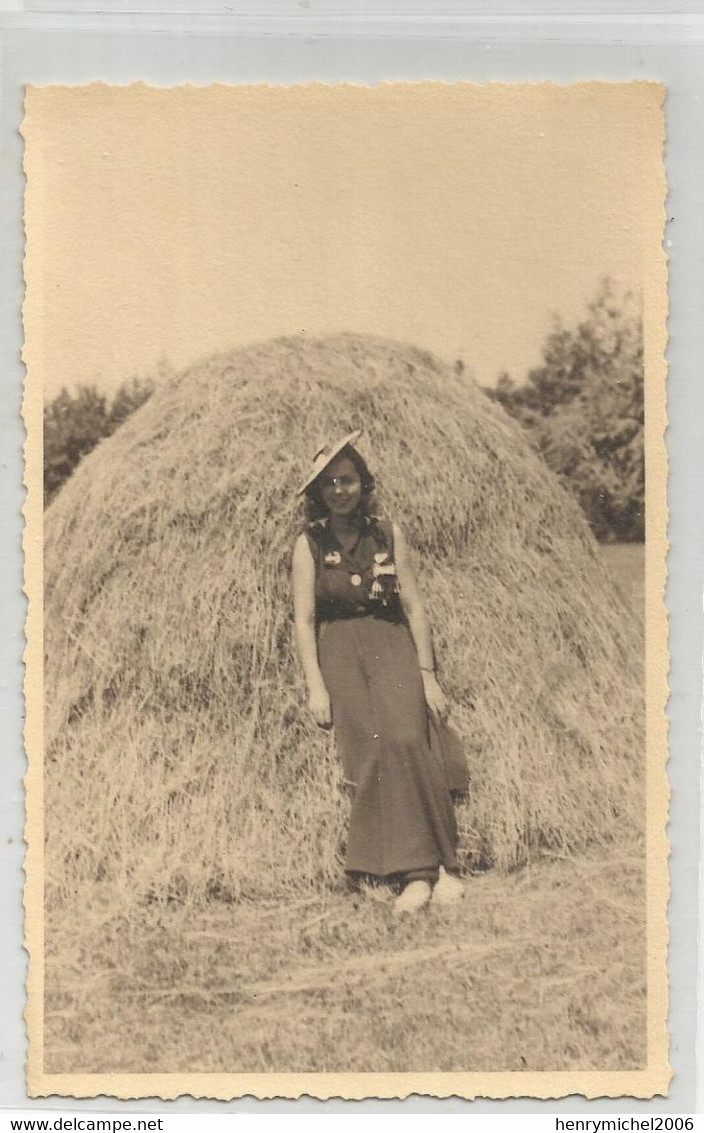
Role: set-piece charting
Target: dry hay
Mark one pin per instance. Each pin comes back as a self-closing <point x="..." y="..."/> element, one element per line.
<point x="180" y="759"/>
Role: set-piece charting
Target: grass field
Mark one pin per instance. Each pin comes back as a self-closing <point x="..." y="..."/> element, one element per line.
<point x="539" y="969"/>
<point x="626" y="561"/>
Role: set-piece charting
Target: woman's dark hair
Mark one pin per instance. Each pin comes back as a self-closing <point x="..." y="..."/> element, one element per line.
<point x="316" y="509"/>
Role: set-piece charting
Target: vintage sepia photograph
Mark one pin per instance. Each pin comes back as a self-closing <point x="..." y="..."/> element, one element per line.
<point x="345" y="544"/>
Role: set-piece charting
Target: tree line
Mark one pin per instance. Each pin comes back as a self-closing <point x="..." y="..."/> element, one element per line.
<point x="582" y="407"/>
<point x="75" y="422"/>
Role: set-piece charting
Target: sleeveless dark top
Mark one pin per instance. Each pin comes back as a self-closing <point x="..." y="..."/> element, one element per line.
<point x="356" y="582"/>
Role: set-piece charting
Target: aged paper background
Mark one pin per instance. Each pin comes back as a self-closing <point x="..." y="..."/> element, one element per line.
<point x="125" y="206"/>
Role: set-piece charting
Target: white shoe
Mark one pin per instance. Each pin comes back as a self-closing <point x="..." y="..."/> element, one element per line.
<point x="414" y="898"/>
<point x="448" y="890"/>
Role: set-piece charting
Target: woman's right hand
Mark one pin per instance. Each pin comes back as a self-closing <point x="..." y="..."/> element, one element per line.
<point x="319" y="704"/>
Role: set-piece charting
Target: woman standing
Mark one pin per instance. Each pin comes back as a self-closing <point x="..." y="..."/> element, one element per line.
<point x="366" y="650"/>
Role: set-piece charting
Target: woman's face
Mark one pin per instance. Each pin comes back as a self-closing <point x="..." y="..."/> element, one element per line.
<point x="341" y="487"/>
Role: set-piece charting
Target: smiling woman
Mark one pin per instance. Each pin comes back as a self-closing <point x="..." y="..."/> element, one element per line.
<point x="366" y="650"/>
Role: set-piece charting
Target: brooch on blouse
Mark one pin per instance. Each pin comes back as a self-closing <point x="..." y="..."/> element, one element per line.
<point x="332" y="558"/>
<point x="382" y="569"/>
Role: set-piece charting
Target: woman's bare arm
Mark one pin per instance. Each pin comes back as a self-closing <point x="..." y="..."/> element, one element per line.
<point x="420" y="629"/>
<point x="304" y="620"/>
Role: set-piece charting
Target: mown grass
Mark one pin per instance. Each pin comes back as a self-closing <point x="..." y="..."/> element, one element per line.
<point x="542" y="969"/>
<point x="626" y="564"/>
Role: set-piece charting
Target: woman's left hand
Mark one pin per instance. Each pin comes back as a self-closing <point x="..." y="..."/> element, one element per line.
<point x="434" y="696"/>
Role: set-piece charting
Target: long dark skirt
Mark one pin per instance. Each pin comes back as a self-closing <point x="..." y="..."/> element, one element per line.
<point x="391" y="749"/>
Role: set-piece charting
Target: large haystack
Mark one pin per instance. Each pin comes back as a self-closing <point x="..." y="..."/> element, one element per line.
<point x="180" y="755"/>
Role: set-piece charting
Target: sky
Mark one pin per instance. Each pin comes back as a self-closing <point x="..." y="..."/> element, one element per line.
<point x="169" y="224"/>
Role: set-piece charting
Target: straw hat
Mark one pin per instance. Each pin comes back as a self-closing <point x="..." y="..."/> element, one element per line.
<point x="326" y="455"/>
